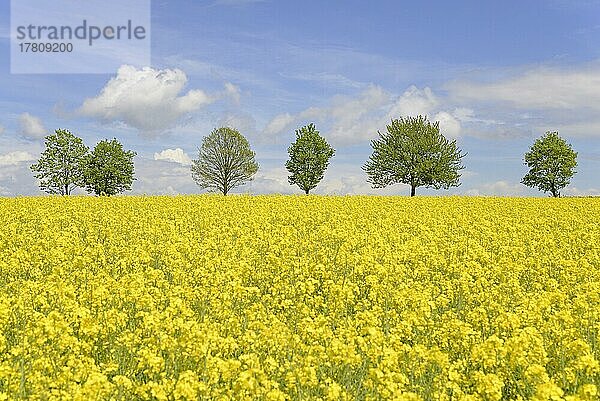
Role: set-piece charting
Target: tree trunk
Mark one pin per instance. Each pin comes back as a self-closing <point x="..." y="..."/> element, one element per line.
<point x="306" y="191"/>
<point x="413" y="190"/>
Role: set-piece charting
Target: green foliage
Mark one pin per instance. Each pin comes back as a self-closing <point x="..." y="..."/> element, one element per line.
<point x="551" y="162"/>
<point x="61" y="165"/>
<point x="309" y="158"/>
<point x="414" y="152"/>
<point x="109" y="169"/>
<point x="224" y="162"/>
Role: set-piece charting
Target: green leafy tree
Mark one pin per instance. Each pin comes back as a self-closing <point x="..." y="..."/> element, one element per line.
<point x="224" y="162"/>
<point x="61" y="165"/>
<point x="309" y="158"/>
<point x="551" y="162"/>
<point x="414" y="152"/>
<point x="109" y="169"/>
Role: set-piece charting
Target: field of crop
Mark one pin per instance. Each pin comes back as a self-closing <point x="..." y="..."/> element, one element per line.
<point x="290" y="298"/>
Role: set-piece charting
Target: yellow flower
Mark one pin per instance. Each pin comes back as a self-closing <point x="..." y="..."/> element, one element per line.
<point x="289" y="298"/>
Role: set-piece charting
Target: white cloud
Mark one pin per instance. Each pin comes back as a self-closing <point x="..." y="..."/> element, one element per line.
<point x="574" y="191"/>
<point x="449" y="124"/>
<point x="16" y="157"/>
<point x="367" y="101"/>
<point x="538" y="88"/>
<point x="464" y="114"/>
<point x="270" y="180"/>
<point x="414" y="101"/>
<point x="174" y="155"/>
<point x="531" y="101"/>
<point x="31" y="127"/>
<point x="352" y="119"/>
<point x="498" y="188"/>
<point x="355" y="119"/>
<point x="233" y="91"/>
<point x="577" y="129"/>
<point x="467" y="115"/>
<point x="2" y="129"/>
<point x="148" y="99"/>
<point x="346" y="119"/>
<point x="161" y="177"/>
<point x="356" y="184"/>
<point x="279" y="124"/>
<point x="15" y="175"/>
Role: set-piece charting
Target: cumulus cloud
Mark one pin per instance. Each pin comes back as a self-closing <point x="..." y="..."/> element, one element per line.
<point x="355" y="119"/>
<point x="148" y="99"/>
<point x="31" y="127"/>
<point x="449" y="124"/>
<point x="414" y="101"/>
<point x="174" y="155"/>
<point x="16" y="157"/>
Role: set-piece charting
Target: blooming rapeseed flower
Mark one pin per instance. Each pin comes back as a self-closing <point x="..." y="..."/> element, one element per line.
<point x="289" y="298"/>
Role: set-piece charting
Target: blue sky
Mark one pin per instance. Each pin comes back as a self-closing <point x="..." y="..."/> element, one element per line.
<point x="495" y="74"/>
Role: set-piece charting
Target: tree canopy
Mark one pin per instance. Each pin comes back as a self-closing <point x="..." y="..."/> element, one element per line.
<point x="109" y="169"/>
<point x="225" y="161"/>
<point x="60" y="168"/>
<point x="413" y="151"/>
<point x="309" y="158"/>
<point x="551" y="162"/>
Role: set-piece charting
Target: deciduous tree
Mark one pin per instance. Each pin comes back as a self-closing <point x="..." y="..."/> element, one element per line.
<point x="109" y="169"/>
<point x="224" y="162"/>
<point x="551" y="162"/>
<point x="60" y="168"/>
<point x="309" y="158"/>
<point x="413" y="151"/>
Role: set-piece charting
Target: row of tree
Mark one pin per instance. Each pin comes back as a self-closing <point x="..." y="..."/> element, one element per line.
<point x="411" y="151"/>
<point x="67" y="163"/>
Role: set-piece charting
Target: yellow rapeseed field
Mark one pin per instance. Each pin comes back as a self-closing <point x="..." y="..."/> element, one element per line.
<point x="299" y="298"/>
